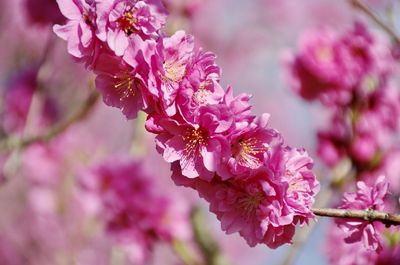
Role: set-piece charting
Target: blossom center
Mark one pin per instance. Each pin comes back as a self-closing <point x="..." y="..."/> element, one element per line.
<point x="174" y="71"/>
<point x="124" y="84"/>
<point x="127" y="22"/>
<point x="195" y="138"/>
<point x="201" y="96"/>
<point x="295" y="182"/>
<point x="324" y="54"/>
<point x="250" y="202"/>
<point x="246" y="151"/>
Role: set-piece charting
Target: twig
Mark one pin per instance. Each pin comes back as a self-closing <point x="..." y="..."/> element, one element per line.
<point x="368" y="215"/>
<point x="16" y="143"/>
<point x="365" y="9"/>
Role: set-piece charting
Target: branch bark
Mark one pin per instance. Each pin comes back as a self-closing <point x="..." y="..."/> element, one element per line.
<point x="12" y="143"/>
<point x="366" y="10"/>
<point x="368" y="215"/>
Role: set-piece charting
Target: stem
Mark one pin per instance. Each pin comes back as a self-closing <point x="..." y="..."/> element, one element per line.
<point x="366" y="10"/>
<point x="17" y="143"/>
<point x="368" y="215"/>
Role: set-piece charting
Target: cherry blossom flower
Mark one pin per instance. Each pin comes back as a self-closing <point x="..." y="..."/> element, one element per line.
<point x="199" y="148"/>
<point x="120" y="19"/>
<point x="79" y="31"/>
<point x="121" y="85"/>
<point x="369" y="199"/>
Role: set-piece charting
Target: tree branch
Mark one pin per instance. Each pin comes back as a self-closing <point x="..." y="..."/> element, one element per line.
<point x="15" y="143"/>
<point x="368" y="215"/>
<point x="366" y="10"/>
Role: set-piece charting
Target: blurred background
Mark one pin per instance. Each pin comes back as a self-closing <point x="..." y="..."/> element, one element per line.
<point x="46" y="220"/>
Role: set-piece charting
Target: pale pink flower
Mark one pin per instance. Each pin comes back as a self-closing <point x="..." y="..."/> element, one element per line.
<point x="368" y="198"/>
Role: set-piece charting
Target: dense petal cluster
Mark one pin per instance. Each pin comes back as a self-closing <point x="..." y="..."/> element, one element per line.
<point x="332" y="67"/>
<point x="352" y="74"/>
<point x="210" y="136"/>
<point x="135" y="215"/>
<point x="356" y="254"/>
<point x="367" y="198"/>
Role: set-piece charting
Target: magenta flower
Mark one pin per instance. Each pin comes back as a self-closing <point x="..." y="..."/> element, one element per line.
<point x="198" y="148"/>
<point x="250" y="147"/>
<point x="365" y="198"/>
<point x="265" y="205"/>
<point x="43" y="12"/>
<point x="118" y="20"/>
<point x="170" y="65"/>
<point x="201" y="87"/>
<point x="331" y="68"/>
<point x="79" y="31"/>
<point x="340" y="253"/>
<point x="317" y="69"/>
<point x="17" y="98"/>
<point x="294" y="166"/>
<point x="252" y="206"/>
<point x="121" y="85"/>
<point x="125" y="192"/>
<point x="239" y="106"/>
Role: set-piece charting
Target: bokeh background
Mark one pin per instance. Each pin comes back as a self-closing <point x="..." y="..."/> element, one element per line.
<point x="251" y="39"/>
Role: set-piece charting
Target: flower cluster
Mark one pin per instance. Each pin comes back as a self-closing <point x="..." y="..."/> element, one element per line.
<point x="255" y="184"/>
<point x="365" y="198"/>
<point x="136" y="216"/>
<point x="351" y="73"/>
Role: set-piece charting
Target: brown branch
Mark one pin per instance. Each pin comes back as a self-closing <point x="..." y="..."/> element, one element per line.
<point x="366" y="10"/>
<point x="368" y="215"/>
<point x="16" y="143"/>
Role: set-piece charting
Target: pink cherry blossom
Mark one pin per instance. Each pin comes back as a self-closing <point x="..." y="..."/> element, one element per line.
<point x="199" y="148"/>
<point x="170" y="65"/>
<point x="340" y="253"/>
<point x="250" y="147"/>
<point x="118" y="20"/>
<point x="252" y="206"/>
<point x="79" y="31"/>
<point x="120" y="85"/>
<point x="294" y="166"/>
<point x="201" y="87"/>
<point x="126" y="192"/>
<point x="365" y="198"/>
